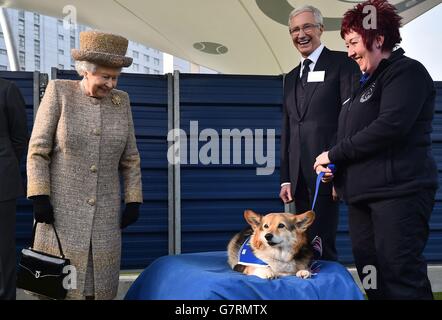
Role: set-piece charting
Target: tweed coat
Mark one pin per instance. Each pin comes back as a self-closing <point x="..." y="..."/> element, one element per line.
<point x="78" y="147"/>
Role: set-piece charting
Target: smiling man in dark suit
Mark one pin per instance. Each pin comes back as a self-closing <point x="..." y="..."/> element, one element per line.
<point x="13" y="141"/>
<point x="314" y="93"/>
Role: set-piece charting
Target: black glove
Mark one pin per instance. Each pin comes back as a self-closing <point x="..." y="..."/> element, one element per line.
<point x="43" y="211"/>
<point x="130" y="214"/>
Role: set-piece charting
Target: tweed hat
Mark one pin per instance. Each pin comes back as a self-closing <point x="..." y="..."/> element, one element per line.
<point x="104" y="49"/>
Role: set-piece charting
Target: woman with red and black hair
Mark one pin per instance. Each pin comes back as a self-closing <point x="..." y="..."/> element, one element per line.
<point x="385" y="168"/>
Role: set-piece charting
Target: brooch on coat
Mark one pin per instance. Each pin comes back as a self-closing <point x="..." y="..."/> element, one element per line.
<point x="116" y="100"/>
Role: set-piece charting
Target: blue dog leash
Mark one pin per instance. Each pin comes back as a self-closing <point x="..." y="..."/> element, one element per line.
<point x="318" y="182"/>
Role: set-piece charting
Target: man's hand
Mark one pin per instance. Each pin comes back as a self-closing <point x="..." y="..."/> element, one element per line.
<point x="286" y="193"/>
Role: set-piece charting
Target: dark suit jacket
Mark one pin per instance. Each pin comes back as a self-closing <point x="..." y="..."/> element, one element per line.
<point x="13" y="139"/>
<point x="306" y="135"/>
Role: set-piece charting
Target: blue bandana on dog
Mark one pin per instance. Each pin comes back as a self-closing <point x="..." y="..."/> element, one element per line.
<point x="247" y="257"/>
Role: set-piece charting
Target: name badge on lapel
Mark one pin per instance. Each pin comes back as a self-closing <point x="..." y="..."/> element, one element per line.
<point x="316" y="76"/>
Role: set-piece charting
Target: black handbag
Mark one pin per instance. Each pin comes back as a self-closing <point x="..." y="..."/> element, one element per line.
<point x="41" y="273"/>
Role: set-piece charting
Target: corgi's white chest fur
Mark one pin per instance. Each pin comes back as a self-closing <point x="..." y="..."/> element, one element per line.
<point x="280" y="260"/>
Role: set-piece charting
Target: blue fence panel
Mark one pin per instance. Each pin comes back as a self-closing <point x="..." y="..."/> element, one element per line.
<point x="215" y="196"/>
<point x="433" y="250"/>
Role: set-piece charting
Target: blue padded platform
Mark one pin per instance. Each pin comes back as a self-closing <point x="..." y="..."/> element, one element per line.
<point x="207" y="276"/>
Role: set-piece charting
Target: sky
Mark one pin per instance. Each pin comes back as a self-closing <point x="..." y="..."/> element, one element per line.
<point x="422" y="40"/>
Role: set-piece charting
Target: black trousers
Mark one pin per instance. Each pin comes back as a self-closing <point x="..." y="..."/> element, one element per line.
<point x="326" y="217"/>
<point x="7" y="250"/>
<point x="391" y="235"/>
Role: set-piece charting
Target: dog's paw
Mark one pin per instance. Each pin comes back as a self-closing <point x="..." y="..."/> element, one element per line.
<point x="304" y="274"/>
<point x="264" y="273"/>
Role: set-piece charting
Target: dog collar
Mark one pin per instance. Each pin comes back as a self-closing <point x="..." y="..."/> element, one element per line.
<point x="247" y="257"/>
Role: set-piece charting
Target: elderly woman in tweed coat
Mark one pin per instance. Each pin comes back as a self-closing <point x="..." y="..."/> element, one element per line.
<point x="83" y="137"/>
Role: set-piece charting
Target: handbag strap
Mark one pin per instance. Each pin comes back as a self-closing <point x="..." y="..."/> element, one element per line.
<point x="56" y="235"/>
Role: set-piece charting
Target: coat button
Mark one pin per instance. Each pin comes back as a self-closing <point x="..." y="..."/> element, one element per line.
<point x="94" y="168"/>
<point x="96" y="132"/>
<point x="91" y="202"/>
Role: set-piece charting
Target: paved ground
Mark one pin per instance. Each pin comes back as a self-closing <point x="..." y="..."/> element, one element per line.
<point x="127" y="278"/>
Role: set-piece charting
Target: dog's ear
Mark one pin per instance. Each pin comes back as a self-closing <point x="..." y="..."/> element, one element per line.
<point x="252" y="218"/>
<point x="303" y="221"/>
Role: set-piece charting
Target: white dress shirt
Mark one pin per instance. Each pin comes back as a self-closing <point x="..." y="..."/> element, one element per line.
<point x="314" y="56"/>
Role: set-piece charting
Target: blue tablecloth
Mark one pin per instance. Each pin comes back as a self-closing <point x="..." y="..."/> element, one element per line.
<point x="207" y="276"/>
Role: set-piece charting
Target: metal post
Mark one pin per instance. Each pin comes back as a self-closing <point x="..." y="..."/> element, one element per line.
<point x="177" y="167"/>
<point x="9" y="41"/>
<point x="290" y="207"/>
<point x="170" y="169"/>
<point x="40" y="84"/>
<point x="54" y="73"/>
<point x="36" y="91"/>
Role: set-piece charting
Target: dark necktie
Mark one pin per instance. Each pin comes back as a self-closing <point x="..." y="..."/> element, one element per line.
<point x="305" y="71"/>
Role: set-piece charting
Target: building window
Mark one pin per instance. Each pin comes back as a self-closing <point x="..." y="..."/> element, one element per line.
<point x="156" y="71"/>
<point x="61" y="37"/>
<point x="21" y="14"/>
<point x="60" y="23"/>
<point x="36" y="18"/>
<point x="22" y="60"/>
<point x="37" y="63"/>
<point x="1" y="35"/>
<point x="21" y="26"/>
<point x="147" y="58"/>
<point x="146" y="70"/>
<point x="157" y="51"/>
<point x="37" y="47"/>
<point x="21" y="43"/>
<point x="136" y="54"/>
<point x="61" y="66"/>
<point x="136" y="67"/>
<point x="72" y="42"/>
<point x="72" y="67"/>
<point x="3" y="52"/>
<point x="36" y="31"/>
<point x="156" y="62"/>
<point x="3" y="68"/>
<point x="61" y="52"/>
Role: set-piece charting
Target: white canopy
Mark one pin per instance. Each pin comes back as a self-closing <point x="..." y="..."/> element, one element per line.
<point x="231" y="36"/>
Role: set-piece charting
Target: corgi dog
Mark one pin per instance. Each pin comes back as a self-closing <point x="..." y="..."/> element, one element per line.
<point x="278" y="240"/>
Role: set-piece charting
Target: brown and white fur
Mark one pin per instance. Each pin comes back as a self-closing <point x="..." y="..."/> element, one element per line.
<point x="278" y="239"/>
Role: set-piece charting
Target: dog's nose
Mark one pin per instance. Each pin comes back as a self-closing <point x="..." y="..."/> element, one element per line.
<point x="268" y="236"/>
